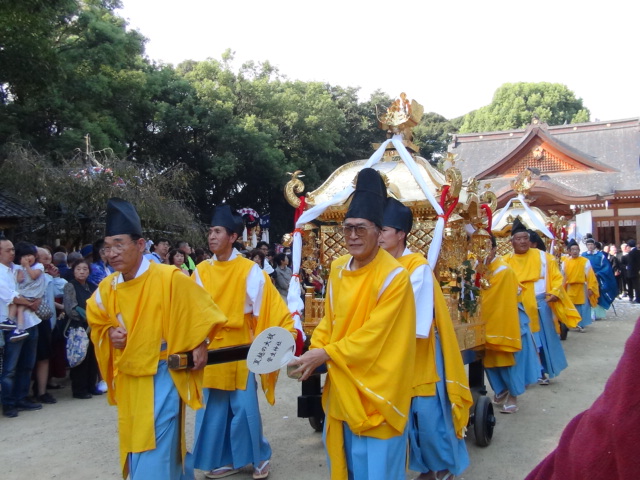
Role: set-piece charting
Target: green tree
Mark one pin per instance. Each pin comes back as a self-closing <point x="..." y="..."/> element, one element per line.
<point x="73" y="70"/>
<point x="29" y="30"/>
<point x="432" y="136"/>
<point x="515" y="104"/>
<point x="243" y="131"/>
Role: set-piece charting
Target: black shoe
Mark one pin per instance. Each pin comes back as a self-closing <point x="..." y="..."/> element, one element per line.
<point x="82" y="396"/>
<point x="10" y="412"/>
<point x="47" y="398"/>
<point x="27" y="405"/>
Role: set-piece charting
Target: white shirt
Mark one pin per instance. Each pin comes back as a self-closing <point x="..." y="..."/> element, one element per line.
<point x="540" y="286"/>
<point x="9" y="291"/>
<point x="422" y="284"/>
<point x="153" y="257"/>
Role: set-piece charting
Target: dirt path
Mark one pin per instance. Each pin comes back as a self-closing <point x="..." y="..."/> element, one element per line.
<point x="77" y="439"/>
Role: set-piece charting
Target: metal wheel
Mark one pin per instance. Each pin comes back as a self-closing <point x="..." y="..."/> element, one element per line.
<point x="484" y="421"/>
<point x="317" y="423"/>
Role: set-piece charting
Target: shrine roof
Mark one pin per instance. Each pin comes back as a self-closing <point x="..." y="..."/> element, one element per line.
<point x="607" y="152"/>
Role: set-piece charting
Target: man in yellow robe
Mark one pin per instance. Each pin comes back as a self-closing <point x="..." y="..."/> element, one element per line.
<point x="139" y="315"/>
<point x="564" y="311"/>
<point x="542" y="290"/>
<point x="367" y="339"/>
<point x="581" y="283"/>
<point x="441" y="394"/>
<point x="229" y="430"/>
<point x="511" y="362"/>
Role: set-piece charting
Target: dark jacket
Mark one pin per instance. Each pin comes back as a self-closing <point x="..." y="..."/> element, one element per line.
<point x="615" y="265"/>
<point x="633" y="263"/>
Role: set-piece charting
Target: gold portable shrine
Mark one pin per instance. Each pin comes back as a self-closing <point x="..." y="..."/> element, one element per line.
<point x="461" y="260"/>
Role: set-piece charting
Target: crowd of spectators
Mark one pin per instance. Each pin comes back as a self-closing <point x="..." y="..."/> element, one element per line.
<point x="626" y="268"/>
<point x="43" y="292"/>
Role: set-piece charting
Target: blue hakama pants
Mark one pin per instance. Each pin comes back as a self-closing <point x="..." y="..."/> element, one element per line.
<point x="548" y="341"/>
<point x="433" y="444"/>
<point x="598" y="312"/>
<point x="526" y="370"/>
<point x="229" y="429"/>
<point x="164" y="462"/>
<point x="585" y="310"/>
<point x="370" y="458"/>
<point x="585" y="313"/>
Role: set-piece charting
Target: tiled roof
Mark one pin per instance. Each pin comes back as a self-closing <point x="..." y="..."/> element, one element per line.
<point x="614" y="144"/>
<point x="11" y="208"/>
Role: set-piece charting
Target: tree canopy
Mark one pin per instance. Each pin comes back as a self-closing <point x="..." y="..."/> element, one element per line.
<point x="515" y="104"/>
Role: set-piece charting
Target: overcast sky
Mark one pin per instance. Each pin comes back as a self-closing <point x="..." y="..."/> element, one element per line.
<point x="449" y="55"/>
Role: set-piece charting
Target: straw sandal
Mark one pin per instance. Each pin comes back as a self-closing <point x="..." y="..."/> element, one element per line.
<point x="262" y="470"/>
<point x="222" y="472"/>
<point x="501" y="398"/>
<point x="511" y="408"/>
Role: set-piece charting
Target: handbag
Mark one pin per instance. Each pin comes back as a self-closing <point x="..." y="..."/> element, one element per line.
<point x="44" y="311"/>
<point x="77" y="345"/>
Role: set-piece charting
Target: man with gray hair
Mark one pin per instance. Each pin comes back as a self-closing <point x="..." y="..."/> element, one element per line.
<point x="369" y="318"/>
<point x="541" y="282"/>
<point x="60" y="261"/>
<point x="18" y="357"/>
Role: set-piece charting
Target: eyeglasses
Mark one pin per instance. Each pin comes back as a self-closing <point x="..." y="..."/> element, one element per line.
<point x="116" y="249"/>
<point x="361" y="230"/>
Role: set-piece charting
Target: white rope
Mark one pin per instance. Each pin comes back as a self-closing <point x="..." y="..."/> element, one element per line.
<point x="436" y="241"/>
<point x="534" y="219"/>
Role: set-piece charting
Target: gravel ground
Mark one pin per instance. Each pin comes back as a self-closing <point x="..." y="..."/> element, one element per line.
<point x="77" y="439"/>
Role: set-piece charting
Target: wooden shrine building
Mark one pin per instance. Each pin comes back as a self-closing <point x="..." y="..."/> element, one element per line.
<point x="588" y="167"/>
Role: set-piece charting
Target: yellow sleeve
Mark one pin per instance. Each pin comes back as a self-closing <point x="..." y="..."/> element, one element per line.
<point x="192" y="317"/>
<point x="100" y="324"/>
<point x="273" y="313"/>
<point x="457" y="383"/>
<point x="362" y="345"/>
<point x="555" y="280"/>
<point x="500" y="313"/>
<point x="374" y="382"/>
